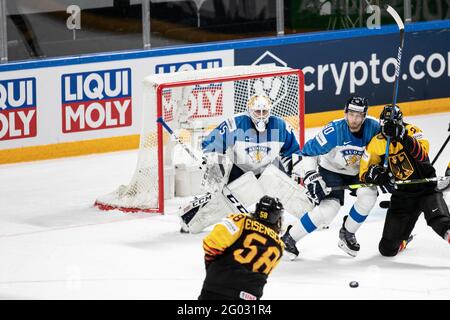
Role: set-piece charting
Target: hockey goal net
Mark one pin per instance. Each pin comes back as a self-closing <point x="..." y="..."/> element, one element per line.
<point x="199" y="100"/>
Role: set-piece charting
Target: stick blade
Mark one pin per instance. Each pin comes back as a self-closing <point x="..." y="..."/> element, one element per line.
<point x="396" y="17"/>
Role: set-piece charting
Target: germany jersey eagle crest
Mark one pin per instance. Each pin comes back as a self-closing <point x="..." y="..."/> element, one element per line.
<point x="404" y="164"/>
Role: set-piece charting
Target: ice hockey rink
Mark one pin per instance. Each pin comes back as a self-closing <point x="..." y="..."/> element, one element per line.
<point x="55" y="245"/>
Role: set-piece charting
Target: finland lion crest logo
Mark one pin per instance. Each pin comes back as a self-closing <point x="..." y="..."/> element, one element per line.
<point x="257" y="153"/>
<point x="352" y="157"/>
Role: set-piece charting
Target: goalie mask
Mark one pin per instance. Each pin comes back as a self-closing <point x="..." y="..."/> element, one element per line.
<point x="269" y="211"/>
<point x="259" y="110"/>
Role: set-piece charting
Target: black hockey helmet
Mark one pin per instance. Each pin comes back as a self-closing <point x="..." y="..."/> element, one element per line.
<point x="269" y="210"/>
<point x="357" y="104"/>
<point x="386" y="114"/>
<point x="391" y="113"/>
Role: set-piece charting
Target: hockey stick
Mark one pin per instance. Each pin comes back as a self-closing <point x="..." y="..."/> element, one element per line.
<point x="401" y="28"/>
<point x="180" y="142"/>
<point x="442" y="148"/>
<point x="226" y="191"/>
<point x="397" y="183"/>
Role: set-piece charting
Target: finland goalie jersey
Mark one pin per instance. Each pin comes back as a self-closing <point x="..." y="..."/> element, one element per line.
<point x="249" y="149"/>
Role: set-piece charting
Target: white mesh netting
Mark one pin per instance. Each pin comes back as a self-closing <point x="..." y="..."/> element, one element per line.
<point x="198" y="99"/>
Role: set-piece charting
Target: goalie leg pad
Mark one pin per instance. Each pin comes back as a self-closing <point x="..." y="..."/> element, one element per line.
<point x="209" y="214"/>
<point x="219" y="206"/>
<point x="247" y="189"/>
<point x="292" y="195"/>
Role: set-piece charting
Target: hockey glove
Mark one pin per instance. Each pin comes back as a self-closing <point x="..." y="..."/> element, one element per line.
<point x="317" y="188"/>
<point x="394" y="130"/>
<point x="444" y="185"/>
<point x="380" y="176"/>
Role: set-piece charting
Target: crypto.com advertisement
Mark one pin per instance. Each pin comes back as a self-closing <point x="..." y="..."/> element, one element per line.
<point x="335" y="69"/>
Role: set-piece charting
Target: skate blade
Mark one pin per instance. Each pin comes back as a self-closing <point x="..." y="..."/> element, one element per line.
<point x="183" y="226"/>
<point x="347" y="250"/>
<point x="184" y="229"/>
<point x="288" y="256"/>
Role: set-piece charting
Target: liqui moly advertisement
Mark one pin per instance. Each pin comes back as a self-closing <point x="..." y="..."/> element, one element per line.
<point x="203" y="101"/>
<point x="18" y="108"/>
<point x="96" y="100"/>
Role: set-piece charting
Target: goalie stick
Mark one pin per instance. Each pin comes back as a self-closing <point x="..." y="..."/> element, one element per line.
<point x="202" y="199"/>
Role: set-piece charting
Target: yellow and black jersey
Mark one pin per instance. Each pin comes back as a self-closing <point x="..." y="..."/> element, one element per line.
<point x="240" y="252"/>
<point x="407" y="160"/>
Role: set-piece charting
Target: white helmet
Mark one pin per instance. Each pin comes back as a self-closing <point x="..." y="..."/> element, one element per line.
<point x="259" y="110"/>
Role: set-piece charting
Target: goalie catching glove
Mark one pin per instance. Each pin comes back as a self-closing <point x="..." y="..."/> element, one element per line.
<point x="317" y="188"/>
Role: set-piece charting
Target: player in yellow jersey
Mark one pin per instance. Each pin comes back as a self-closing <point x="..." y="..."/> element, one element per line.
<point x="241" y="251"/>
<point x="408" y="159"/>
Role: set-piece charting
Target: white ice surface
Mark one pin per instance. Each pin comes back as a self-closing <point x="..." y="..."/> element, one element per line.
<point x="55" y="245"/>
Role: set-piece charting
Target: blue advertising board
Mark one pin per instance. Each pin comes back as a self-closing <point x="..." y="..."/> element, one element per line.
<point x="337" y="68"/>
<point x="336" y="64"/>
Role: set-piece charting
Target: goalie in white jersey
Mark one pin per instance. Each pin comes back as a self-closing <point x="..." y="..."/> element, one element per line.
<point x="252" y="154"/>
<point x="332" y="159"/>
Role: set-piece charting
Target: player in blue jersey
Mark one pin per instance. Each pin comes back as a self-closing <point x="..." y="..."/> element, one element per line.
<point x="330" y="159"/>
<point x="252" y="154"/>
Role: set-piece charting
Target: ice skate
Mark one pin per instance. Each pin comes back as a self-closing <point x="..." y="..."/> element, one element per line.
<point x="290" y="251"/>
<point x="347" y="241"/>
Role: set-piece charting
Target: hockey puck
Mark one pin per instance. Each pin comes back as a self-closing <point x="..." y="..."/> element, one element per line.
<point x="353" y="284"/>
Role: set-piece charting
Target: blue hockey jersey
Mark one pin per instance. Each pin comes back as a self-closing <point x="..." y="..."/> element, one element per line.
<point x="339" y="150"/>
<point x="249" y="149"/>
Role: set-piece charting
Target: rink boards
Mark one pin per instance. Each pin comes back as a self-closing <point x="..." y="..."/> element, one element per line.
<point x="80" y="105"/>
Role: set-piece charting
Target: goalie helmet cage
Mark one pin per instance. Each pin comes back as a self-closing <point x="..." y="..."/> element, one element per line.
<point x="207" y="97"/>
